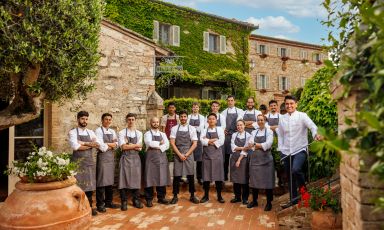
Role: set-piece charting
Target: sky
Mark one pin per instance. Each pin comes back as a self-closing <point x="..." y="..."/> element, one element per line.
<point x="298" y="20"/>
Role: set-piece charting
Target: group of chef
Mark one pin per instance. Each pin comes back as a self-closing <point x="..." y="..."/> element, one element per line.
<point x="234" y="144"/>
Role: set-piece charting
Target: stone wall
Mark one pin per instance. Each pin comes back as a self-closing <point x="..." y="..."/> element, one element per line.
<point x="125" y="84"/>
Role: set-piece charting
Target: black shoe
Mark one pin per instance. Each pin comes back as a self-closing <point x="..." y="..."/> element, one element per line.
<point x="235" y="200"/>
<point x="94" y="212"/>
<point x="252" y="204"/>
<point x="101" y="209"/>
<point x="112" y="205"/>
<point x="220" y="199"/>
<point x="124" y="206"/>
<point x="149" y="203"/>
<point x="163" y="201"/>
<point x="200" y="181"/>
<point x="137" y="203"/>
<point x="194" y="200"/>
<point x="204" y="199"/>
<point x="268" y="207"/>
<point x="245" y="202"/>
<point x="174" y="200"/>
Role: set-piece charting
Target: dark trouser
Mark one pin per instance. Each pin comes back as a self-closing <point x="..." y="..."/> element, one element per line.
<point x="191" y="184"/>
<point x="226" y="166"/>
<point x="148" y="192"/>
<point x="199" y="170"/>
<point x="104" y="195"/>
<point x="298" y="176"/>
<point x="134" y="192"/>
<point x="227" y="154"/>
<point x="269" y="193"/>
<point x="89" y="196"/>
<point x="241" y="191"/>
<point x="219" y="187"/>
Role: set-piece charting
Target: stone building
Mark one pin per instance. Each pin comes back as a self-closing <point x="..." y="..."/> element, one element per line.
<point x="125" y="84"/>
<point x="277" y="66"/>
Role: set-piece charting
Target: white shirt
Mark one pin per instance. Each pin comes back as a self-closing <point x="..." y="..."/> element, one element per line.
<point x="220" y="133"/>
<point x="240" y="136"/>
<point x="292" y="132"/>
<point x="261" y="132"/>
<point x="192" y="131"/>
<point x="253" y="111"/>
<point x="240" y="112"/>
<point x="199" y="117"/>
<point x="156" y="144"/>
<point x="104" y="147"/>
<point x="219" y="117"/>
<point x="82" y="132"/>
<point x="163" y="121"/>
<point x="130" y="133"/>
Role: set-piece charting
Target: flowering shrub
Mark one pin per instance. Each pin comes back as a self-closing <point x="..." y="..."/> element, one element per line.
<point x="43" y="165"/>
<point x="318" y="199"/>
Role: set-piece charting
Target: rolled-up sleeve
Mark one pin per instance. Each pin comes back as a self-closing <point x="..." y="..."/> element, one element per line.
<point x="122" y="139"/>
<point x="203" y="138"/>
<point x="100" y="139"/>
<point x="233" y="145"/>
<point x="148" y="141"/>
<point x="173" y="132"/>
<point x="268" y="144"/>
<point x="164" y="146"/>
<point x="221" y="140"/>
<point x="73" y="140"/>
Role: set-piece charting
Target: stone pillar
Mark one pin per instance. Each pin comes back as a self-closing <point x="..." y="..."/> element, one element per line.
<point x="155" y="106"/>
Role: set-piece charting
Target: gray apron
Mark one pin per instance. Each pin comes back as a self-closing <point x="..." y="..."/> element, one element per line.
<point x="239" y="174"/>
<point x="130" y="166"/>
<point x="273" y="121"/>
<point x="212" y="160"/>
<point x="249" y="117"/>
<point x="105" y="168"/>
<point x="183" y="143"/>
<point x="261" y="168"/>
<point x="156" y="171"/>
<point x="197" y="153"/>
<point x="86" y="175"/>
<point x="231" y="128"/>
<point x="218" y="124"/>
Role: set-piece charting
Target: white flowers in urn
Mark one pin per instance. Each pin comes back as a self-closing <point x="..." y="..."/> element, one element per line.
<point x="42" y="165"/>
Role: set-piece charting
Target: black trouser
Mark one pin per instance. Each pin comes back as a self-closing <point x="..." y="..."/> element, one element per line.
<point x="298" y="176"/>
<point x="134" y="192"/>
<point x="104" y="195"/>
<point x="199" y="170"/>
<point x="226" y="166"/>
<point x="191" y="184"/>
<point x="241" y="191"/>
<point x="89" y="196"/>
<point x="227" y="154"/>
<point x="268" y="192"/>
<point x="149" y="192"/>
<point x="219" y="187"/>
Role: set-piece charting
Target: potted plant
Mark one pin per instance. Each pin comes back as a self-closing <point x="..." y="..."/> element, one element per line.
<point x="325" y="205"/>
<point x="46" y="196"/>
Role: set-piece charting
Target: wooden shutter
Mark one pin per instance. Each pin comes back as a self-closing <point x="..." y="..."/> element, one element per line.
<point x="279" y="51"/>
<point x="155" y="31"/>
<point x="257" y="48"/>
<point x="313" y="56"/>
<point x="175" y="35"/>
<point x="258" y="81"/>
<point x="223" y="44"/>
<point x="267" y="82"/>
<point x="280" y="83"/>
<point x="206" y="41"/>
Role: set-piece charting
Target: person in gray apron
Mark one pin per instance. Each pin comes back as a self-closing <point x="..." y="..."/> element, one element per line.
<point x="156" y="173"/>
<point x="231" y="114"/>
<point x="273" y="116"/>
<point x="261" y="166"/>
<point x="82" y="141"/>
<point x="239" y="163"/>
<point x="130" y="142"/>
<point x="212" y="139"/>
<point x="215" y="108"/>
<point x="197" y="121"/>
<point x="250" y="115"/>
<point x="105" y="164"/>
<point x="183" y="142"/>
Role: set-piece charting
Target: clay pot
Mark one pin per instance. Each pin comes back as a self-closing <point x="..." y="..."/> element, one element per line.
<point x="53" y="205"/>
<point x="326" y="219"/>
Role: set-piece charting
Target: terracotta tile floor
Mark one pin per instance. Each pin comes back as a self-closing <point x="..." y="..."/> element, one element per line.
<point x="185" y="215"/>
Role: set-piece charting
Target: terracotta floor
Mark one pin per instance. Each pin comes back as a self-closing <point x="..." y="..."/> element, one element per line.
<point x="185" y="215"/>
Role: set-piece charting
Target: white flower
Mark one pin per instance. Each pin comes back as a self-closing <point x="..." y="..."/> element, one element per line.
<point x="61" y="161"/>
<point x="73" y="173"/>
<point x="43" y="149"/>
<point x="67" y="162"/>
<point x="33" y="153"/>
<point x="49" y="154"/>
<point x="40" y="163"/>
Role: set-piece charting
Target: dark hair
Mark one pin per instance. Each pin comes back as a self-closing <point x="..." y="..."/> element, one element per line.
<point x="106" y="115"/>
<point x="212" y="114"/>
<point x="196" y="103"/>
<point x="215" y="102"/>
<point x="272" y="101"/>
<point x="290" y="97"/>
<point x="130" y="115"/>
<point x="230" y="96"/>
<point x="263" y="107"/>
<point x="171" y="103"/>
<point x="183" y="112"/>
<point x="241" y="120"/>
<point x="265" y="119"/>
<point x="82" y="114"/>
<point x="253" y="99"/>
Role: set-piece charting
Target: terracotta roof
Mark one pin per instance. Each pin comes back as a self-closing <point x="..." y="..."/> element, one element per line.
<point x="285" y="41"/>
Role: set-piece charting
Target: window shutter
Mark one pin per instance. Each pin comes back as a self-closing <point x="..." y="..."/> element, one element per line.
<point x="258" y="82"/>
<point x="206" y="41"/>
<point x="313" y="56"/>
<point x="280" y="83"/>
<point x="289" y="52"/>
<point x="267" y="49"/>
<point x="176" y="35"/>
<point x="156" y="31"/>
<point x="204" y="93"/>
<point x="278" y="52"/>
<point x="257" y="48"/>
<point x="223" y="44"/>
<point x="288" y="83"/>
<point x="267" y="82"/>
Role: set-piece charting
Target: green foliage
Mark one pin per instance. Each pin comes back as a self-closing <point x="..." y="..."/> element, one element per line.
<point x="61" y="36"/>
<point x="320" y="198"/>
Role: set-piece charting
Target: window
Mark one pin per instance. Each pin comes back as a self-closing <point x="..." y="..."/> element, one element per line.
<point x="262" y="49"/>
<point x="262" y="81"/>
<point x="214" y="43"/>
<point x="166" y="34"/>
<point x="303" y="55"/>
<point x="317" y="57"/>
<point x="283" y="52"/>
<point x="284" y="83"/>
<point x="209" y="93"/>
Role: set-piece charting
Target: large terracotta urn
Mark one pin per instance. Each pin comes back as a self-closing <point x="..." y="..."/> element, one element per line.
<point x="326" y="219"/>
<point x="54" y="205"/>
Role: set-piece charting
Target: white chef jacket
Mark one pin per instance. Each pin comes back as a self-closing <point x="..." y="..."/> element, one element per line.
<point x="104" y="147"/>
<point x="219" y="116"/>
<point x="220" y="133"/>
<point x="82" y="132"/>
<point x="240" y="136"/>
<point x="156" y="144"/>
<point x="253" y="111"/>
<point x="130" y="133"/>
<point x="192" y="131"/>
<point x="201" y="118"/>
<point x="240" y="112"/>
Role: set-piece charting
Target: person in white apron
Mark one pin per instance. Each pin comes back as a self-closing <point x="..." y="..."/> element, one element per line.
<point x="131" y="143"/>
<point x="183" y="141"/>
<point x="231" y="114"/>
<point x="156" y="173"/>
<point x="250" y="115"/>
<point x="212" y="139"/>
<point x="197" y="120"/>
<point x="82" y="141"/>
<point x="239" y="164"/>
<point x="261" y="165"/>
<point x="105" y="165"/>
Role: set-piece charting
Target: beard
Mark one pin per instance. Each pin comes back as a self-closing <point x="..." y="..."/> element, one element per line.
<point x="154" y="126"/>
<point x="83" y="125"/>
